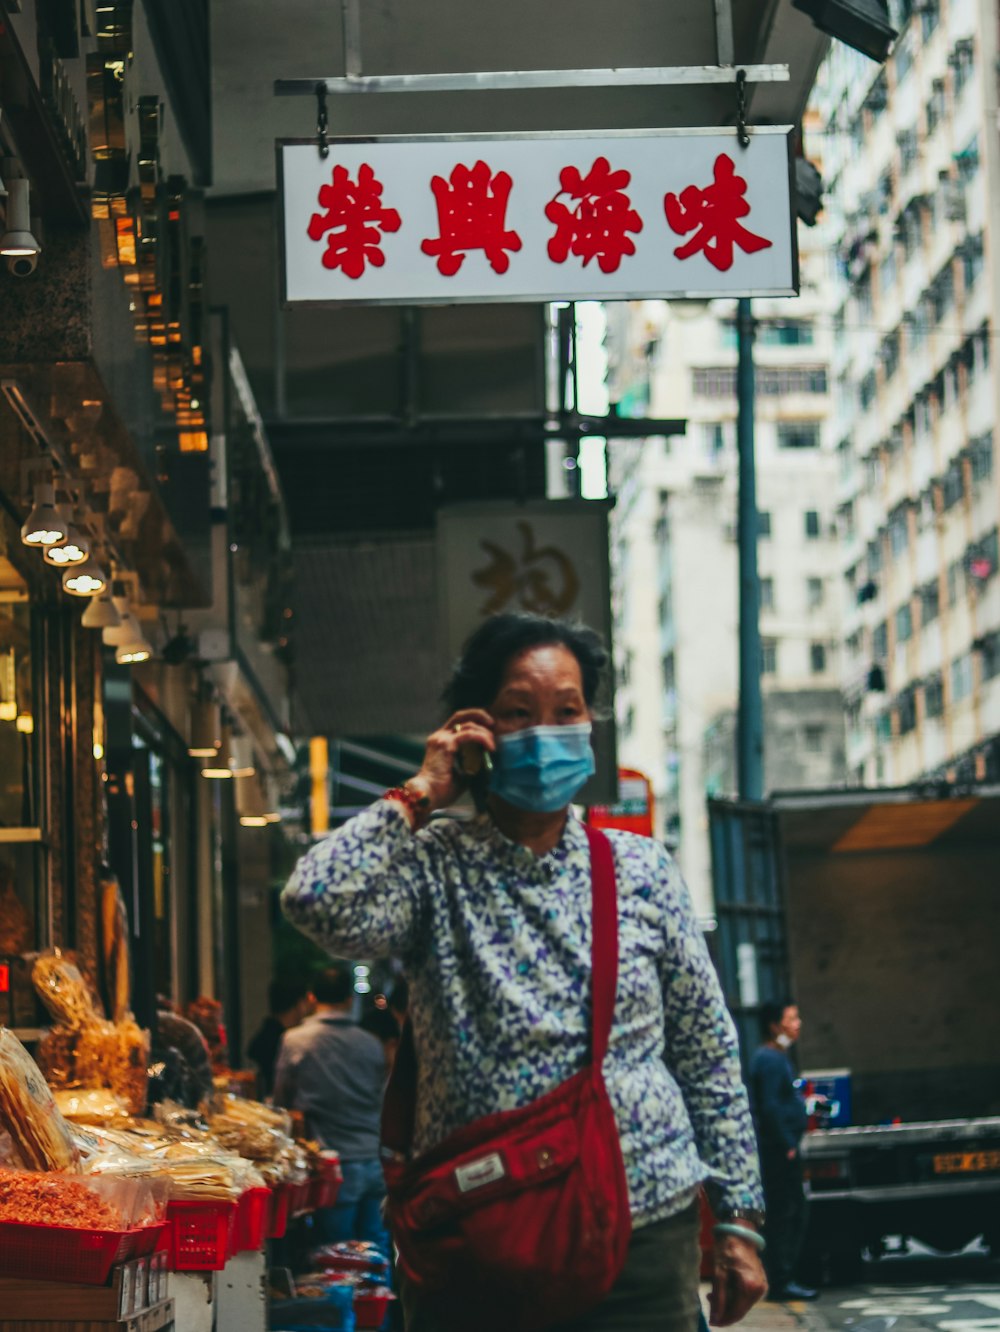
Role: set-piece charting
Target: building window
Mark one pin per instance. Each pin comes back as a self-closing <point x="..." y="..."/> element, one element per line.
<point x="770" y="380"/>
<point x="817" y="658"/>
<point x="814" y="738"/>
<point x="904" y="623"/>
<point x="767" y="594"/>
<point x="768" y="656"/>
<point x="715" y="438"/>
<point x="899" y="533"/>
<point x="954" y="581"/>
<point x="906" y="711"/>
<point x="815" y="592"/>
<point x="981" y="457"/>
<point x="811" y="524"/>
<point x="798" y="435"/>
<point x="934" y="697"/>
<point x="930" y="602"/>
<point x="961" y="59"/>
<point x="867" y="390"/>
<point x="880" y="640"/>
<point x="785" y="333"/>
<point x="952" y="487"/>
<point x="763" y="523"/>
<point x="961" y="678"/>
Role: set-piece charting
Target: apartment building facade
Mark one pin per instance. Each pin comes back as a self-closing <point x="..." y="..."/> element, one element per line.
<point x="911" y="161"/>
<point x="674" y="552"/>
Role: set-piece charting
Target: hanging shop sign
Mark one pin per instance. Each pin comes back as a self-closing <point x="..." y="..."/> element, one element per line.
<point x="544" y="557"/>
<point x="538" y="217"/>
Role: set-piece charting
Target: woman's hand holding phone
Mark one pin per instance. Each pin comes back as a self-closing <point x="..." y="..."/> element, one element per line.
<point x="458" y="755"/>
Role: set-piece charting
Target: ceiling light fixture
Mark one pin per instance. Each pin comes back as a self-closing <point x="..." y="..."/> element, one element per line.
<point x="243" y="756"/>
<point x="101" y="613"/>
<point x="44" y="525"/>
<point x="17" y="241"/>
<point x="86" y="580"/>
<point x="204" y="729"/>
<point x="73" y="549"/>
<point x="220" y="765"/>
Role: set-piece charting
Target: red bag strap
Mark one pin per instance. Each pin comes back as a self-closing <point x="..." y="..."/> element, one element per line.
<point x="399" y="1102"/>
<point x="603" y="943"/>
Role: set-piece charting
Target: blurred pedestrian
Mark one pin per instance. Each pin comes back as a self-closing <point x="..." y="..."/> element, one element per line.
<point x="780" y="1117"/>
<point x="334" y="1073"/>
<point x="384" y="1027"/>
<point x="289" y="1001"/>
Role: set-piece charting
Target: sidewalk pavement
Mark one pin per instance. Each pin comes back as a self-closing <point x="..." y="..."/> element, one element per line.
<point x="768" y="1317"/>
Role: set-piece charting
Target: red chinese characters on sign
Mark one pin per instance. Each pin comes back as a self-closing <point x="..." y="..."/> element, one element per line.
<point x="472" y="213"/>
<point x="713" y="214"/>
<point x="353" y="222"/>
<point x="597" y="226"/>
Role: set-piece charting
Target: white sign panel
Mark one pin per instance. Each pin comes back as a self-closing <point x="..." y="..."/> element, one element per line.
<point x="539" y="217"/>
<point x="546" y="557"/>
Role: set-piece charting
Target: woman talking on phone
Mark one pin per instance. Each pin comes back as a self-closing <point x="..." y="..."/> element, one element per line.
<point x="571" y="1075"/>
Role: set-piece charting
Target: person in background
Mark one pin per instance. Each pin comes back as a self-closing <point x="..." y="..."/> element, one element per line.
<point x="206" y="1014"/>
<point x="289" y="1001"/>
<point x="334" y="1073"/>
<point x="780" y="1118"/>
<point x="382" y="1024"/>
<point x="180" y="1064"/>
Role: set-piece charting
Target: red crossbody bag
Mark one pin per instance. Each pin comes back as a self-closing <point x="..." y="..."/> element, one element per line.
<point x="523" y="1216"/>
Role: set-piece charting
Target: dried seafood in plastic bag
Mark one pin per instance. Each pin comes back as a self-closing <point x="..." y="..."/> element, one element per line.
<point x="28" y="1113"/>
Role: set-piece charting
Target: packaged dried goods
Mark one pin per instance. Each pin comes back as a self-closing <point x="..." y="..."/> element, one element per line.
<point x="99" y="1054"/>
<point x="63" y="990"/>
<point x="35" y="1197"/>
<point x="92" y="1105"/>
<point x="28" y="1113"/>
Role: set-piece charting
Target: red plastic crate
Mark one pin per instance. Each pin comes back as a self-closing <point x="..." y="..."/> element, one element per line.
<point x="66" y="1253"/>
<point x="200" y="1235"/>
<point x="323" y="1192"/>
<point x="278" y="1219"/>
<point x="371" y="1303"/>
<point x="298" y="1199"/>
<point x="251" y="1219"/>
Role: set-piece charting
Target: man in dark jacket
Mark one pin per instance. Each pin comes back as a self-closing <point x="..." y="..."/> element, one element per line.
<point x="780" y="1118"/>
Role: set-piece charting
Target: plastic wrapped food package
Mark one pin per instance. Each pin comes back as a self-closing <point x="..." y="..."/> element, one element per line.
<point x="183" y="1173"/>
<point x="28" y="1114"/>
<point x="92" y="1105"/>
<point x="115" y="1055"/>
<point x="57" y="1199"/>
<point x="99" y="1054"/>
<point x="63" y="990"/>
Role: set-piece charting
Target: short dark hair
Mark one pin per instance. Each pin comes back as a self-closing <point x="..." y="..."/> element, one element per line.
<point x="334" y="985"/>
<point x="771" y="1013"/>
<point x="284" y="993"/>
<point x="476" y="678"/>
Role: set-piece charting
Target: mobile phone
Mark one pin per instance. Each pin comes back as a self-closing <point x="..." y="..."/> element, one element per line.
<point x="473" y="767"/>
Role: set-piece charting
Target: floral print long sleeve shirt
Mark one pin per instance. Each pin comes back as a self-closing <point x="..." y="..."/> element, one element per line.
<point x="495" y="942"/>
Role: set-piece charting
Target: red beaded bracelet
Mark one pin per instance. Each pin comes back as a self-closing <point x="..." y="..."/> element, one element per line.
<point x="418" y="805"/>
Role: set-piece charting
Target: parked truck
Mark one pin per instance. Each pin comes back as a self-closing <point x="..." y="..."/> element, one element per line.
<point x="878" y="912"/>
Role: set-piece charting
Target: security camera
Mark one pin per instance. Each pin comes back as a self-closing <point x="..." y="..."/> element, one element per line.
<point x="21" y="265"/>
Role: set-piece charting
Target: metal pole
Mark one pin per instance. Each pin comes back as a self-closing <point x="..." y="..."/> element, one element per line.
<point x="750" y="717"/>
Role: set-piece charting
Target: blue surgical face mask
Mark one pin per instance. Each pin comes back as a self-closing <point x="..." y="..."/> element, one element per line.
<point x="542" y="768"/>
